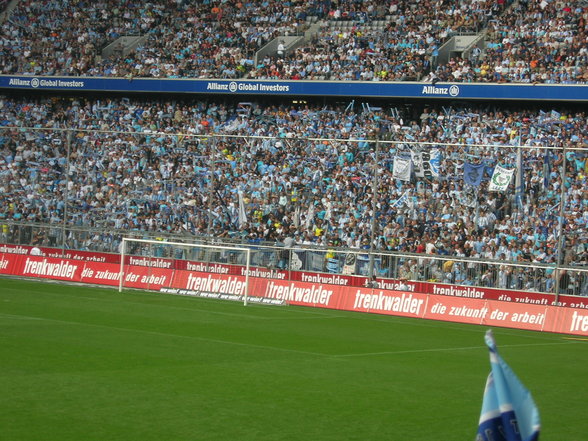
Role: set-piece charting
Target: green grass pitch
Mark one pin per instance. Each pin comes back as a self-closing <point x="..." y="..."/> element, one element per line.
<point x="84" y="363"/>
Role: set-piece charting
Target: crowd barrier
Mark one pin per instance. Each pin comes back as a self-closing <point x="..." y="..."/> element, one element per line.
<point x="522" y="310"/>
<point x="443" y="274"/>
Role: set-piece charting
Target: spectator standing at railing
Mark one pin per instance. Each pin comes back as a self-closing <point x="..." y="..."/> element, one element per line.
<point x="281" y="49"/>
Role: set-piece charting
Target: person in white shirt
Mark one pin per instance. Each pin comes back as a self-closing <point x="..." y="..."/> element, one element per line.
<point x="281" y="49"/>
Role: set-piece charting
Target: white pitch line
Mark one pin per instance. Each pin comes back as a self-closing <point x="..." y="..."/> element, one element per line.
<point x="20" y="317"/>
<point x="465" y="348"/>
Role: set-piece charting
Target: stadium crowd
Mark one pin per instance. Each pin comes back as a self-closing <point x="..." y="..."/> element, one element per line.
<point x="304" y="176"/>
<point x="538" y="41"/>
<point x="533" y="42"/>
<point x="65" y="37"/>
<point x="403" y="49"/>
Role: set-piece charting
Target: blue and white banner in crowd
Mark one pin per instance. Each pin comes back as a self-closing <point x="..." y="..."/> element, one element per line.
<point x="508" y="410"/>
<point x="436" y="157"/>
<point x="405" y="89"/>
<point x="402" y="200"/>
<point x="546" y="168"/>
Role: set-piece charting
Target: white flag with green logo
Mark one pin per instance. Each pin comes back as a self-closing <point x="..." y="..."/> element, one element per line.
<point x="500" y="178"/>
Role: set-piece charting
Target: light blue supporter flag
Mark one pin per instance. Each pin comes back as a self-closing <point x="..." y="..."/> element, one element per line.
<point x="508" y="410"/>
<point x="402" y="200"/>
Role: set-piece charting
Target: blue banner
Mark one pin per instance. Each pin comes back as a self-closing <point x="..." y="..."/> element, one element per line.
<point x="508" y="410"/>
<point x="546" y="168"/>
<point x="566" y="92"/>
<point x="473" y="173"/>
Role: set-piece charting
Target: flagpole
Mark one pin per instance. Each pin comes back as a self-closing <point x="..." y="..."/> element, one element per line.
<point x="560" y="226"/>
<point x="477" y="216"/>
<point x="374" y="203"/>
<point x="519" y="183"/>
<point x="211" y="187"/>
<point x="66" y="194"/>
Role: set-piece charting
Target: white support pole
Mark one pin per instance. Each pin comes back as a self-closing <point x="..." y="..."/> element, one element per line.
<point x="121" y="272"/>
<point x="247" y="266"/>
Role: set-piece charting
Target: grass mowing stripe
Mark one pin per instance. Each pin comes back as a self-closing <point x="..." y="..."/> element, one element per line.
<point x="367" y="354"/>
<point x="122" y="299"/>
<point x="165" y="334"/>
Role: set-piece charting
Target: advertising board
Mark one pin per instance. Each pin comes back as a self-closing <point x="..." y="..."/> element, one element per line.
<point x="166" y="279"/>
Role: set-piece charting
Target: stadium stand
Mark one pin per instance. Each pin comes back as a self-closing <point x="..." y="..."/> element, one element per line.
<point x="65" y="37"/>
<point x="533" y="42"/>
<point x="348" y="40"/>
<point x="148" y="179"/>
<point x="372" y="45"/>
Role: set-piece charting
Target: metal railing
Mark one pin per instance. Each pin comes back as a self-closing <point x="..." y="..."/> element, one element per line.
<point x="415" y="267"/>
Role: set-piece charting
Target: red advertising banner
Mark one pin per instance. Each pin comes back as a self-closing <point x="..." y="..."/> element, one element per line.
<point x="134" y="276"/>
<point x="58" y="253"/>
<point x="378" y="301"/>
<point x="298" y="293"/>
<point x="488" y="312"/>
<point x="573" y="322"/>
<point x="47" y="268"/>
<point x="100" y="273"/>
<point x="147" y="277"/>
<point x="218" y="283"/>
<point x="480" y="311"/>
<point x="9" y="264"/>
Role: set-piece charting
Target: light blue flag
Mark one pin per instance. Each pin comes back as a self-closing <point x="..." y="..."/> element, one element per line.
<point x="508" y="410"/>
<point x="436" y="157"/>
<point x="402" y="200"/>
